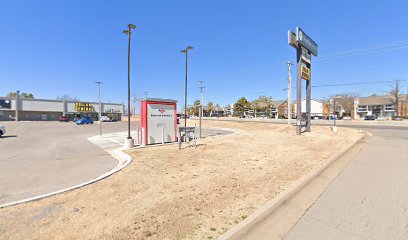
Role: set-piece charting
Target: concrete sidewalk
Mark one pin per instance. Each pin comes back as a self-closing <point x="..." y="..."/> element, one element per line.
<point x="369" y="200"/>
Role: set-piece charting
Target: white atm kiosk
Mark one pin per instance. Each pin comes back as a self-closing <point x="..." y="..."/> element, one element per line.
<point x="159" y="120"/>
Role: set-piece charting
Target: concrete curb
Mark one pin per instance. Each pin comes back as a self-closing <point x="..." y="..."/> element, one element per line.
<point x="260" y="214"/>
<point x="123" y="160"/>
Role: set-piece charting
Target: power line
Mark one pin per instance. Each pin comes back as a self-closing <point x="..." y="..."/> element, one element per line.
<point x="331" y="56"/>
<point x="350" y="84"/>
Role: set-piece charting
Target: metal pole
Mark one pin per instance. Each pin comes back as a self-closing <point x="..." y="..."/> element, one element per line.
<point x="18" y="106"/>
<point x="185" y="92"/>
<point x="129" y="33"/>
<point x="334" y="111"/>
<point x="299" y="92"/>
<point x="289" y="94"/>
<point x="200" y="113"/>
<point x="308" y="100"/>
<point x="201" y="104"/>
<point x="134" y="105"/>
<point x="100" y="108"/>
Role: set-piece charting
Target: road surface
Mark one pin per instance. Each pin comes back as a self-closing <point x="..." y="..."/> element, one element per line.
<point x="37" y="158"/>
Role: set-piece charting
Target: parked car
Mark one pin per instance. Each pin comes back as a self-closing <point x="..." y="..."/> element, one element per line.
<point x="105" y="119"/>
<point x="84" y="121"/>
<point x="369" y="117"/>
<point x="346" y="118"/>
<point x="2" y="130"/>
<point x="397" y="118"/>
<point x="63" y="119"/>
<point x="380" y="118"/>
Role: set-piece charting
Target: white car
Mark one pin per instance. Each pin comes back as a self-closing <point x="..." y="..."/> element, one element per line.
<point x="2" y="130"/>
<point x="105" y="119"/>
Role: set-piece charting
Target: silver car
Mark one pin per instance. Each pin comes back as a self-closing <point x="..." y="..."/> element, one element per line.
<point x="2" y="130"/>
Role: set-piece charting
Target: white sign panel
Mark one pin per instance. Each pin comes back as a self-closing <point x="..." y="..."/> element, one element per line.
<point x="160" y="119"/>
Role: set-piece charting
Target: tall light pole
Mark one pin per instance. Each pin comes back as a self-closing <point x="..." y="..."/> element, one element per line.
<point x="130" y="141"/>
<point x="100" y="108"/>
<point x="185" y="51"/>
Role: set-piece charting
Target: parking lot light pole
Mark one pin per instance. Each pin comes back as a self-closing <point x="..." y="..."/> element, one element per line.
<point x="185" y="51"/>
<point x="130" y="141"/>
<point x="100" y="108"/>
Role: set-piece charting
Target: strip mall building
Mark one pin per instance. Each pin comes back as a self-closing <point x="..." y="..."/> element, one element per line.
<point x="27" y="109"/>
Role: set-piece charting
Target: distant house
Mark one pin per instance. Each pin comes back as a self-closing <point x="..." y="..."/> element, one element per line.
<point x="279" y="109"/>
<point x="380" y="106"/>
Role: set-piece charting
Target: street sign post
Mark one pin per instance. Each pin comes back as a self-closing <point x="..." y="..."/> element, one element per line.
<point x="305" y="47"/>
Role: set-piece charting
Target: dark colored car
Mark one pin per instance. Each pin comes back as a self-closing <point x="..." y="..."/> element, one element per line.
<point x="63" y="119"/>
<point x="397" y="118"/>
<point x="84" y="121"/>
<point x="369" y="117"/>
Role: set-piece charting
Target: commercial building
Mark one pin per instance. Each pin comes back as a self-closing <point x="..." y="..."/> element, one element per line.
<point x="317" y="108"/>
<point x="27" y="109"/>
<point x="380" y="106"/>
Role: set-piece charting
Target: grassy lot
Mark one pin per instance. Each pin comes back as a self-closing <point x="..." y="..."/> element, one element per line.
<point x="195" y="193"/>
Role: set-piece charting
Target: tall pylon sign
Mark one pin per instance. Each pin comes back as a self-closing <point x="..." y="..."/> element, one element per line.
<point x="305" y="47"/>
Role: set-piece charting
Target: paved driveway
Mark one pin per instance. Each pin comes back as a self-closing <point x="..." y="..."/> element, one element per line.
<point x="41" y="157"/>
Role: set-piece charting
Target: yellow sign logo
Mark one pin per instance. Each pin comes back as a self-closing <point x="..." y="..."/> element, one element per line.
<point x="305" y="73"/>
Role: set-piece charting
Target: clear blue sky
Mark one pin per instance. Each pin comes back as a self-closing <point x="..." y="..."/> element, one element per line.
<point x="51" y="48"/>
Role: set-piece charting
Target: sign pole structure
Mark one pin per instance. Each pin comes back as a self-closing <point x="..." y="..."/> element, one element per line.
<point x="308" y="100"/>
<point x="305" y="47"/>
<point x="299" y="91"/>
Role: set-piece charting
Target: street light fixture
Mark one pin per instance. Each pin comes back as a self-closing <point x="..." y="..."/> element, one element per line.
<point x="100" y="108"/>
<point x="130" y="141"/>
<point x="185" y="51"/>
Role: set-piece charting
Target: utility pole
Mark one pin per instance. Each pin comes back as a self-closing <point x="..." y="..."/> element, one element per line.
<point x="289" y="93"/>
<point x="145" y="93"/>
<point x="100" y="108"/>
<point x="201" y="87"/>
<point x="134" y="105"/>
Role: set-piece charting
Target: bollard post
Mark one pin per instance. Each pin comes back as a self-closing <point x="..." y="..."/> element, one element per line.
<point x="179" y="138"/>
<point x="137" y="134"/>
<point x="143" y="137"/>
<point x="162" y="128"/>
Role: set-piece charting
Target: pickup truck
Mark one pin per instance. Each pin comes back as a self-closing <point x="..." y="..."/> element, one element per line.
<point x="2" y="130"/>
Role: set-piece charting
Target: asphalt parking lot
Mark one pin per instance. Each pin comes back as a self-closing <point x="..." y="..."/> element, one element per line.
<point x="42" y="157"/>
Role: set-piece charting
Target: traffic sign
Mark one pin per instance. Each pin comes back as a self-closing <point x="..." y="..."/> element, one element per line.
<point x="303" y="39"/>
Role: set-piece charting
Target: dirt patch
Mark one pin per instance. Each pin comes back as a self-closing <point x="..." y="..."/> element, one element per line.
<point x="195" y="193"/>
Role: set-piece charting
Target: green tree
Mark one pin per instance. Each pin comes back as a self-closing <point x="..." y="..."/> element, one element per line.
<point x="194" y="110"/>
<point x="23" y="95"/>
<point x="241" y="105"/>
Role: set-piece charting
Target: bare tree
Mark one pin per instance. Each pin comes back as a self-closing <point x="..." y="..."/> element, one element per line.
<point x="343" y="102"/>
<point x="67" y="98"/>
<point x="395" y="96"/>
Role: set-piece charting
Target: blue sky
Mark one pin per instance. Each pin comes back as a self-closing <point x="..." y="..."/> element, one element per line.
<point x="52" y="48"/>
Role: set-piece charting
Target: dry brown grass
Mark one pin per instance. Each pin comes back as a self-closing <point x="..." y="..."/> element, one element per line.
<point x="195" y="193"/>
